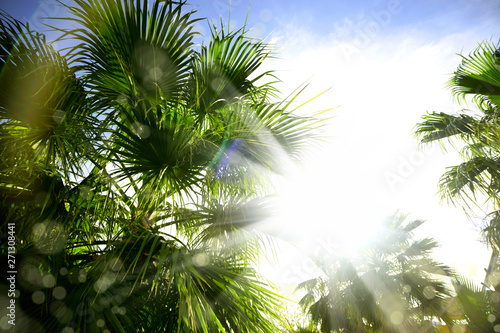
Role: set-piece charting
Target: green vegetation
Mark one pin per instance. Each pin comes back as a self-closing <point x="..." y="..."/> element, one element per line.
<point x="477" y="134"/>
<point x="390" y="286"/>
<point x="476" y="81"/>
<point x="134" y="166"/>
<point x="394" y="285"/>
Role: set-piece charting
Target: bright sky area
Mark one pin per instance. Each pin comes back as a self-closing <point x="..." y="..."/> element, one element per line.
<point x="385" y="63"/>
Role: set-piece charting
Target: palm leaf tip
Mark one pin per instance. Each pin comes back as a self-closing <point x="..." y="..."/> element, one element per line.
<point x="478" y="74"/>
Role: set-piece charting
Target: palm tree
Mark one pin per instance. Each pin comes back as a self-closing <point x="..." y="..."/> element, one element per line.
<point x="392" y="285"/>
<point x="478" y="131"/>
<point x="134" y="166"/>
<point x="476" y="306"/>
<point x="476" y="179"/>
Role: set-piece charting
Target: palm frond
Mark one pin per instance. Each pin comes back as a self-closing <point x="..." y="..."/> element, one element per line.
<point x="159" y="149"/>
<point x="42" y="104"/>
<point x="131" y="48"/>
<point x="474" y="304"/>
<point x="437" y="126"/>
<point x="393" y="273"/>
<point x="478" y="74"/>
<point x="136" y="169"/>
<point x="222" y="71"/>
<point x="473" y="175"/>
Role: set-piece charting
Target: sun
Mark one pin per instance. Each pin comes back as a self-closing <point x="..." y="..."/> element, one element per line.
<point x="315" y="210"/>
<point x="319" y="216"/>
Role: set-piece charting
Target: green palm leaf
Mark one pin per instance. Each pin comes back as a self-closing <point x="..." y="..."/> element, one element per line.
<point x="42" y="104"/>
<point x="136" y="211"/>
<point x="393" y="273"/>
<point x="131" y="48"/>
<point x="438" y="126"/>
<point x="222" y="71"/>
<point x="160" y="149"/>
<point x="479" y="74"/>
<point x="474" y="175"/>
<point x="474" y="305"/>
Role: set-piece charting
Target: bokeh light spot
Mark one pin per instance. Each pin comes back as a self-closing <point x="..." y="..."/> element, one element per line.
<point x="118" y="298"/>
<point x="200" y="259"/>
<point x="266" y="15"/>
<point x="396" y="318"/>
<point x="429" y="292"/>
<point x="141" y="130"/>
<point x="115" y="264"/>
<point x="38" y="297"/>
<point x="104" y="302"/>
<point x="257" y="31"/>
<point x="4" y="323"/>
<point x="82" y="276"/>
<point x="58" y="116"/>
<point x="31" y="274"/>
<point x="495" y="296"/>
<point x="48" y="281"/>
<point x="104" y="282"/>
<point x="61" y="311"/>
<point x="59" y="292"/>
<point x="49" y="237"/>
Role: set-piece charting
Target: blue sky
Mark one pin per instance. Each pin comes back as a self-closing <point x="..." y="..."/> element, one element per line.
<point x="437" y="17"/>
<point x="385" y="64"/>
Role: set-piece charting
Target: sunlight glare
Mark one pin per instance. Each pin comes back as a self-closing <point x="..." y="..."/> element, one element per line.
<point x="316" y="208"/>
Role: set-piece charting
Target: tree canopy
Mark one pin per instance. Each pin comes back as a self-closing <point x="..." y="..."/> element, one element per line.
<point x="476" y="81"/>
<point x="391" y="285"/>
<point x="474" y="182"/>
<point x="134" y="167"/>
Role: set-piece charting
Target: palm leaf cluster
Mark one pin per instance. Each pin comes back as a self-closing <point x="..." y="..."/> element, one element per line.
<point x="477" y="132"/>
<point x="476" y="306"/>
<point x="476" y="179"/>
<point x="392" y="285"/>
<point x="134" y="166"/>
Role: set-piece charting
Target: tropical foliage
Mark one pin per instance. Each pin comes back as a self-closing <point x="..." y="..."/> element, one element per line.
<point x="477" y="306"/>
<point x="476" y="180"/>
<point x="391" y="285"/>
<point x="134" y="165"/>
<point x="477" y="133"/>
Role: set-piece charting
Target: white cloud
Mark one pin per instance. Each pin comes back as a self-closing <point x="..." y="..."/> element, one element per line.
<point x="382" y="89"/>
